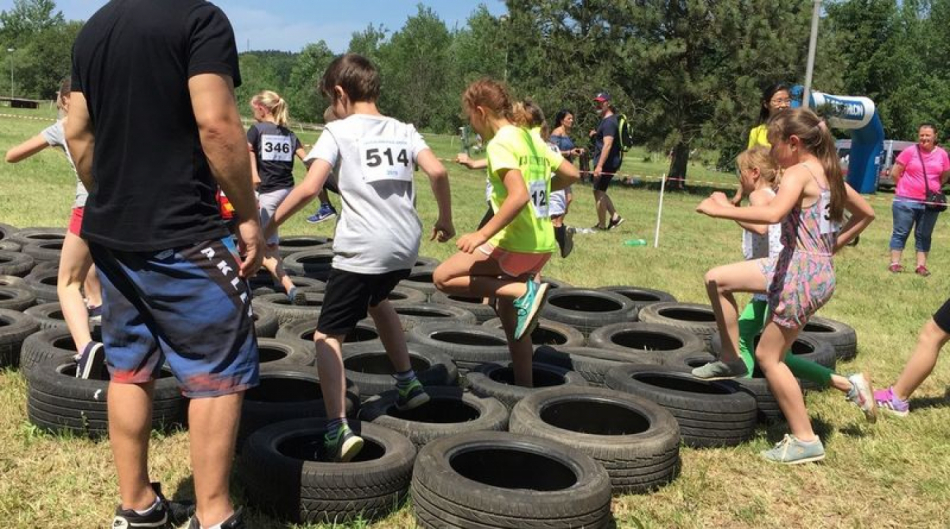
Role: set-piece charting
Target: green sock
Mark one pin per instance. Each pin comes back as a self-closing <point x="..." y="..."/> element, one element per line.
<point x="751" y="323"/>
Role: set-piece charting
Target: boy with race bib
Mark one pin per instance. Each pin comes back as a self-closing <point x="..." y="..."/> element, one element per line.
<point x="377" y="236"/>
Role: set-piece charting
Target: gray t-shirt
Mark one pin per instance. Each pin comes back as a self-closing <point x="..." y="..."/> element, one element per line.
<point x="378" y="230"/>
<point x="55" y="136"/>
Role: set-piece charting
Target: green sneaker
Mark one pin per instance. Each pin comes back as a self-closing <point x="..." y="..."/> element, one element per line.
<point x="719" y="370"/>
<point x="791" y="451"/>
<point x="342" y="445"/>
<point x="529" y="307"/>
<point x="412" y="396"/>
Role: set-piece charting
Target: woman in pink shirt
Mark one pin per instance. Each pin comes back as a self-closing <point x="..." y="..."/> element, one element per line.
<point x="909" y="208"/>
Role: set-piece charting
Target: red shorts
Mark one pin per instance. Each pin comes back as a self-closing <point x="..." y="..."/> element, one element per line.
<point x="516" y="264"/>
<point x="75" y="221"/>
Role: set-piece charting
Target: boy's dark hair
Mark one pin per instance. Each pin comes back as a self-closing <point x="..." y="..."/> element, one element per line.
<point x="64" y="88"/>
<point x="355" y="74"/>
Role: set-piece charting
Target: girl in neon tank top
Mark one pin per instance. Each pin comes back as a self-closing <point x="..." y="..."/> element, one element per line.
<point x="503" y="258"/>
<point x="810" y="205"/>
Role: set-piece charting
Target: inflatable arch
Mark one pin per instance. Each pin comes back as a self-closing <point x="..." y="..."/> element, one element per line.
<point x="859" y="115"/>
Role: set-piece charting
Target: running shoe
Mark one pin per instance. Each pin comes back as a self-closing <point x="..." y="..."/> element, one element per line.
<point x="887" y="400"/>
<point x="95" y="314"/>
<point x="529" y="308"/>
<point x="91" y="362"/>
<point x="614" y="222"/>
<point x="791" y="451"/>
<point x="862" y="396"/>
<point x="164" y="514"/>
<point x="568" y="242"/>
<point x="922" y="271"/>
<point x="297" y="297"/>
<point x="719" y="370"/>
<point x="325" y="212"/>
<point x="235" y="521"/>
<point x="895" y="268"/>
<point x="412" y="396"/>
<point x="342" y="445"/>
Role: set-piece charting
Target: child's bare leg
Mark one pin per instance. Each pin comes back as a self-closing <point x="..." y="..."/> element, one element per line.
<point x="721" y="283"/>
<point x="521" y="350"/>
<point x="772" y="346"/>
<point x="476" y="275"/>
<point x="390" y="333"/>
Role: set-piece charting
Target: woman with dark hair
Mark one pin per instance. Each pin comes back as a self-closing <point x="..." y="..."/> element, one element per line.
<point x="917" y="170"/>
<point x="775" y="98"/>
<point x="560" y="202"/>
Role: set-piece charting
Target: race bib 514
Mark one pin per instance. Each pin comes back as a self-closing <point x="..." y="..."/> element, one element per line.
<point x="383" y="159"/>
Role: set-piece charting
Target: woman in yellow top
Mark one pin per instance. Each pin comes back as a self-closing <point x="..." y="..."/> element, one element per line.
<point x="503" y="258"/>
<point x="775" y="98"/>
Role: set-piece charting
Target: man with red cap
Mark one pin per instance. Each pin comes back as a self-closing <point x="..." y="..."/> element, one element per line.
<point x="607" y="157"/>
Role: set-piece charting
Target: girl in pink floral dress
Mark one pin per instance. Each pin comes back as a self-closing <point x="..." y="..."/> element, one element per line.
<point x="810" y="205"/>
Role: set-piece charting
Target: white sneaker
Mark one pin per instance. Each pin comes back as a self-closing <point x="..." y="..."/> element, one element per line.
<point x="862" y="396"/>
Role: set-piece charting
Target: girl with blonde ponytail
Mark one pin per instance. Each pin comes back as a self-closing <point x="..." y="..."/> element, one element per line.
<point x="799" y="280"/>
<point x="273" y="147"/>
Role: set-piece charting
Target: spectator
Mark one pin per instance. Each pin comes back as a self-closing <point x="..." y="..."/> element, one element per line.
<point x="171" y="277"/>
<point x="915" y="164"/>
<point x="775" y="98"/>
<point x="607" y="158"/>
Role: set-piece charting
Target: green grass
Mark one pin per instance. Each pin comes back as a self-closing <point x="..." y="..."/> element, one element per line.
<point x="892" y="474"/>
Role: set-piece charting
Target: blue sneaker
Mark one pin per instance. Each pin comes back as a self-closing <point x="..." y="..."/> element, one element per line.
<point x="325" y="212"/>
<point x="529" y="307"/>
<point x="91" y="363"/>
<point x="791" y="451"/>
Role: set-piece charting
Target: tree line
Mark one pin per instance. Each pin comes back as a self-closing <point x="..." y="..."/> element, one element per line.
<point x="688" y="73"/>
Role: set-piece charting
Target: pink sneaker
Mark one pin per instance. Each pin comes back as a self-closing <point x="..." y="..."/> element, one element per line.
<point x="887" y="400"/>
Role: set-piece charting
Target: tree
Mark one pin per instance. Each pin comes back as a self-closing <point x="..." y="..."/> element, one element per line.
<point x="306" y="102"/>
<point x="26" y="19"/>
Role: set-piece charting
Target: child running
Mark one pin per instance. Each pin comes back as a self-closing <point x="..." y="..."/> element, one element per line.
<point x="77" y="275"/>
<point x="759" y="177"/>
<point x="273" y="147"/>
<point x="503" y="259"/>
<point x="810" y="205"/>
<point x="377" y="236"/>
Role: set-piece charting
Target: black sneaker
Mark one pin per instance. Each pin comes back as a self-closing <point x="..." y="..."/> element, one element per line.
<point x="165" y="514"/>
<point x="91" y="362"/>
<point x="568" y="242"/>
<point x="614" y="222"/>
<point x="297" y="297"/>
<point x="235" y="521"/>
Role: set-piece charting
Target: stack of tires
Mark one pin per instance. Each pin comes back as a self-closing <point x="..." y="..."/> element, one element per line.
<point x="612" y="398"/>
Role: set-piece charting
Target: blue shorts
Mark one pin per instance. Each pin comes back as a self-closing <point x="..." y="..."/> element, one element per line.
<point x="186" y="306"/>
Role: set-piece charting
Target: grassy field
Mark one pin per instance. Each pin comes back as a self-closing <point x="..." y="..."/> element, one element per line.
<point x="892" y="474"/>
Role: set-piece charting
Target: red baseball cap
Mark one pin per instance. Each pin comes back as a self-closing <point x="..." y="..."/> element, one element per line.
<point x="601" y="97"/>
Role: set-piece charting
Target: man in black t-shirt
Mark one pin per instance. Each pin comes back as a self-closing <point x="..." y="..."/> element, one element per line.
<point x="153" y="129"/>
<point x="607" y="158"/>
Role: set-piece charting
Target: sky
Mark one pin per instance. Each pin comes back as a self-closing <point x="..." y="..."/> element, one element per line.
<point x="288" y="25"/>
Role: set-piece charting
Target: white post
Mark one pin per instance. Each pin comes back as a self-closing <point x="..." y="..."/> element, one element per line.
<point x="659" y="213"/>
<point x="812" y="46"/>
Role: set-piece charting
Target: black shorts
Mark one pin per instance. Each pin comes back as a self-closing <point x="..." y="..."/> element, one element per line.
<point x="348" y="295"/>
<point x="602" y="183"/>
<point x="942" y="317"/>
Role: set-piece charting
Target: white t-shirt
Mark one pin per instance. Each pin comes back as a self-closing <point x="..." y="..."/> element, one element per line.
<point x="55" y="136"/>
<point x="378" y="230"/>
<point x="755" y="246"/>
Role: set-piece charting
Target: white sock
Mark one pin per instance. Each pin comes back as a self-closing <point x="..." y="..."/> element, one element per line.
<point x="154" y="506"/>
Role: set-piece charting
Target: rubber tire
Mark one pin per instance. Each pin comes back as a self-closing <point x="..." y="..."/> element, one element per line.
<point x="287" y="313"/>
<point x="640" y="296"/>
<point x="725" y="418"/>
<point x="637" y="462"/>
<point x="432" y="367"/>
<point x="562" y="305"/>
<point x="556" y="283"/>
<point x="27" y="236"/>
<point x="46" y="344"/>
<point x="313" y="263"/>
<point x="401" y="294"/>
<point x="39" y="282"/>
<point x="60" y="402"/>
<point x="308" y="491"/>
<point x="420" y="278"/>
<point x="549" y="332"/>
<point x="443" y="498"/>
<point x="482" y="311"/>
<point x="13" y="282"/>
<point x="483" y="381"/>
<point x="704" y="329"/>
<point x="840" y="335"/>
<point x="7" y="231"/>
<point x="44" y="251"/>
<point x="50" y="316"/>
<point x="10" y="246"/>
<point x="668" y="341"/>
<point x="365" y="331"/>
<point x="465" y="355"/>
<point x="15" y="264"/>
<point x="818" y="351"/>
<point x="265" y="322"/>
<point x="592" y="364"/>
<point x="15" y="327"/>
<point x="413" y="314"/>
<point x="422" y="261"/>
<point x="257" y="413"/>
<point x="286" y="353"/>
<point x="492" y="415"/>
<point x="302" y="243"/>
<point x="17" y="299"/>
<point x="261" y="284"/>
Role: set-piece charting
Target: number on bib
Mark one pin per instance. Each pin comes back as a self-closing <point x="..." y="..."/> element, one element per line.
<point x="276" y="148"/>
<point x="384" y="159"/>
<point x="538" y="189"/>
<point x="825" y="224"/>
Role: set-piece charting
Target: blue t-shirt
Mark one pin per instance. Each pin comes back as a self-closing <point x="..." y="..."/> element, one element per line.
<point x="564" y="143"/>
<point x="608" y="126"/>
